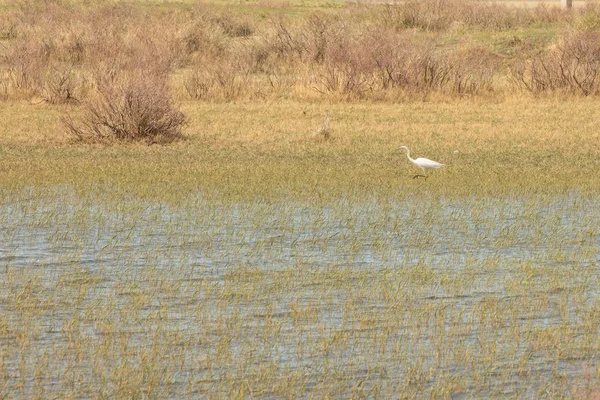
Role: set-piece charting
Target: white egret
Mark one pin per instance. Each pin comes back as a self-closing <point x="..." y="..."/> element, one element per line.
<point x="423" y="163"/>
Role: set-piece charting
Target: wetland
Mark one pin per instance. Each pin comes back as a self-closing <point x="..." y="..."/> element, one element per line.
<point x="275" y="244"/>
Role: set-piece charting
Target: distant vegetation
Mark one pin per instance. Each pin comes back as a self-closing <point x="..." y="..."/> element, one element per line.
<point x="214" y="53"/>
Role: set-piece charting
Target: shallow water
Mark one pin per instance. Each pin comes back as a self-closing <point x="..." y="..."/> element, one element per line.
<point x="409" y="295"/>
<point x="371" y="234"/>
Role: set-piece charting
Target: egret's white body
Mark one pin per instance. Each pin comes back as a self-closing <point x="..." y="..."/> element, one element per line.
<point x="423" y="163"/>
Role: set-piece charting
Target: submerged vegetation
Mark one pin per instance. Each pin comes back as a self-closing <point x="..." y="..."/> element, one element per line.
<point x="282" y="249"/>
<point x="363" y="295"/>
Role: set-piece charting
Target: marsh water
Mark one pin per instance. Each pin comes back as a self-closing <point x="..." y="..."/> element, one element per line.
<point x="469" y="296"/>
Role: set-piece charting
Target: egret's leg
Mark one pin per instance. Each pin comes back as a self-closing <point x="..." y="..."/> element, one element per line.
<point x="424" y="173"/>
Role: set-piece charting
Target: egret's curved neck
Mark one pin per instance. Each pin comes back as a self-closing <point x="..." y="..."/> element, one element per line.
<point x="408" y="154"/>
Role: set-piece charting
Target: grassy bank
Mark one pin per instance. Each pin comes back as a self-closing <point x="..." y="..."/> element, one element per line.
<point x="274" y="149"/>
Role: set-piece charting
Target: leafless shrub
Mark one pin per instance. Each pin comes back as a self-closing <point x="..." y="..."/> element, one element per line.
<point x="234" y="26"/>
<point x="318" y="34"/>
<point x="544" y="14"/>
<point x="346" y="69"/>
<point x="306" y="40"/>
<point x="137" y="107"/>
<point x="572" y="65"/>
<point x="195" y="41"/>
<point x="427" y="14"/>
<point x="431" y="72"/>
<point x="198" y="84"/>
<point x="522" y="75"/>
<point x="274" y="71"/>
<point x="36" y="67"/>
<point x="472" y="70"/>
<point x="217" y="82"/>
<point x="283" y="39"/>
<point x="281" y="78"/>
<point x="404" y="61"/>
<point x="59" y="85"/>
<point x="391" y="15"/>
<point x="384" y="60"/>
<point x="53" y="51"/>
<point x="26" y="62"/>
<point x="442" y="15"/>
<point x="390" y="55"/>
<point x="401" y="60"/>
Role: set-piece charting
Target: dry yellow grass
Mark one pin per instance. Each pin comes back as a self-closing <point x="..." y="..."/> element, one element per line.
<point x="254" y="148"/>
<point x="535" y="3"/>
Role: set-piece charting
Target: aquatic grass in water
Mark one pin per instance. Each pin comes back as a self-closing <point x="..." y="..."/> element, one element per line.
<point x="364" y="295"/>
